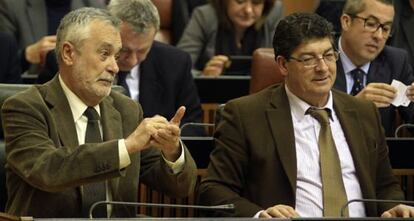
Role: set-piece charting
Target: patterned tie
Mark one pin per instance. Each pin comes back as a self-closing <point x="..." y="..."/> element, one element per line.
<point x="122" y="80"/>
<point x="333" y="190"/>
<point x="93" y="192"/>
<point x="358" y="76"/>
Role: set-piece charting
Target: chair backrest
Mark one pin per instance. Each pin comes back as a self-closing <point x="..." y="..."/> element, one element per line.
<point x="165" y="10"/>
<point x="265" y="71"/>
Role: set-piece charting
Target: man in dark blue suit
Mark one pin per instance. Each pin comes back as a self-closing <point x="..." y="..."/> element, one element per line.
<point x="155" y="74"/>
<point x="9" y="60"/>
<point x="366" y="66"/>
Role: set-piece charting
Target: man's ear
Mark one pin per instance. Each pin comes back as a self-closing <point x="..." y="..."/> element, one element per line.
<point x="282" y="62"/>
<point x="68" y="53"/>
<point x="346" y="21"/>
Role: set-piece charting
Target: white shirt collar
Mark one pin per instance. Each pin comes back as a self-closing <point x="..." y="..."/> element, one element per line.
<point x="299" y="107"/>
<point x="76" y="104"/>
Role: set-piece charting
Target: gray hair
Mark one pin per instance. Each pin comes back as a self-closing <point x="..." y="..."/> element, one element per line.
<point x="353" y="7"/>
<point x="74" y="27"/>
<point x="142" y="15"/>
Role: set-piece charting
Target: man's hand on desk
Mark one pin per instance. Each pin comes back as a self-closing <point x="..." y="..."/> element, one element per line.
<point x="399" y="211"/>
<point x="279" y="211"/>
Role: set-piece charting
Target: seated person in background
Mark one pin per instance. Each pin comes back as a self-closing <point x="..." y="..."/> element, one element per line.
<point x="366" y="66"/>
<point x="33" y="24"/>
<point x="9" y="61"/>
<point x="228" y="27"/>
<point x="275" y="155"/>
<point x="403" y="31"/>
<point x="73" y="141"/>
<point x="155" y="74"/>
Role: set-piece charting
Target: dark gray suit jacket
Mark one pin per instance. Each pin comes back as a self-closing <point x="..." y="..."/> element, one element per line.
<point x="46" y="166"/>
<point x="391" y="63"/>
<point x="26" y="20"/>
<point x="254" y="162"/>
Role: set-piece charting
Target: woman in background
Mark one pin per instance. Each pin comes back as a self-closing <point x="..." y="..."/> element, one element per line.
<point x="228" y="27"/>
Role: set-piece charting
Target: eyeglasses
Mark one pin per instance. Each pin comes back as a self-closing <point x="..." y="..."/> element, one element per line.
<point x="312" y="61"/>
<point x="372" y="24"/>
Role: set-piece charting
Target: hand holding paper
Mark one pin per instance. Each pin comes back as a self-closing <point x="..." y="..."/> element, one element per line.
<point x="401" y="99"/>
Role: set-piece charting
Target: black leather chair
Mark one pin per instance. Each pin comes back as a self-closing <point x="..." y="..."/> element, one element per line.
<point x="7" y="90"/>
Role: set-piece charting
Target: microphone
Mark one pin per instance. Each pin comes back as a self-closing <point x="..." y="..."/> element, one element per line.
<point x="162" y="205"/>
<point x="401" y="127"/>
<point x="373" y="201"/>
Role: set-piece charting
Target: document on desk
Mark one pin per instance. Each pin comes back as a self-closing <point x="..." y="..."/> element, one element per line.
<point x="401" y="99"/>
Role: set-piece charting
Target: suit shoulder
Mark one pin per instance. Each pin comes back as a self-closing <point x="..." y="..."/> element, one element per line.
<point x="164" y="54"/>
<point x="23" y="95"/>
<point x="391" y="53"/>
<point x="260" y="98"/>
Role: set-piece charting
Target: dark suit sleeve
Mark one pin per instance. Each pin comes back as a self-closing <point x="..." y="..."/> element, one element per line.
<point x="407" y="77"/>
<point x="156" y="174"/>
<point x="226" y="176"/>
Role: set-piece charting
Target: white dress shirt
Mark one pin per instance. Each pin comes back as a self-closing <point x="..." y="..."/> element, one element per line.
<point x="132" y="80"/>
<point x="309" y="200"/>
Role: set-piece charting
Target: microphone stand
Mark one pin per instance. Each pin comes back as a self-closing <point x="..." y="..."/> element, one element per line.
<point x="373" y="201"/>
<point x="136" y="204"/>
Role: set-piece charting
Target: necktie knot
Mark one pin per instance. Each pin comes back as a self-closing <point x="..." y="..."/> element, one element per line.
<point x="321" y="115"/>
<point x="91" y="114"/>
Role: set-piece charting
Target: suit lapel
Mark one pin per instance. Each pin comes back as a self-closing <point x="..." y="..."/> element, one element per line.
<point x="354" y="135"/>
<point x="377" y="71"/>
<point x="340" y="82"/>
<point x="111" y="129"/>
<point x="36" y="11"/>
<point x="281" y="125"/>
<point x="111" y="120"/>
<point x="61" y="112"/>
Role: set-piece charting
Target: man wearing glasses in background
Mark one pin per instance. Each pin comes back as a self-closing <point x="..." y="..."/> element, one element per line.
<point x="366" y="68"/>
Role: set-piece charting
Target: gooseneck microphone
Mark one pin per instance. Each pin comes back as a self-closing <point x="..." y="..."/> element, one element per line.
<point x="162" y="205"/>
<point x="373" y="201"/>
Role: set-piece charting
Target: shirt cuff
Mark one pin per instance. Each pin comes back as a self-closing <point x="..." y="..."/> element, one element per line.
<point x="124" y="159"/>
<point x="178" y="165"/>
<point x="257" y="214"/>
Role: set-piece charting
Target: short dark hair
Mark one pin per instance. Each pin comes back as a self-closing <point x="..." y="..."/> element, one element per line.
<point x="353" y="7"/>
<point x="221" y="6"/>
<point x="298" y="28"/>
